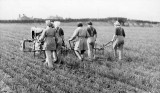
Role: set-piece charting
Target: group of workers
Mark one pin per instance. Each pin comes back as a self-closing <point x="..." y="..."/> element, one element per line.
<point x="53" y="37"/>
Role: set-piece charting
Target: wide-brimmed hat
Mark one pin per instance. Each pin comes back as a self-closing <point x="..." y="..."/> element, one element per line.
<point x="48" y="23"/>
<point x="89" y="23"/>
<point x="117" y="23"/>
<point x="57" y="23"/>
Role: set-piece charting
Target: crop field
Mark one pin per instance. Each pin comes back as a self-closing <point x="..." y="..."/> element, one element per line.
<point x="138" y="72"/>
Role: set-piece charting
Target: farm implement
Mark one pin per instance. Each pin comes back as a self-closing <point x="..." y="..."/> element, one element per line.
<point x="32" y="45"/>
<point x="97" y="48"/>
<point x="102" y="47"/>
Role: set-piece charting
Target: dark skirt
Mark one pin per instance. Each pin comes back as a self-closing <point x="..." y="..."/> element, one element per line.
<point x="50" y="43"/>
<point x="81" y="44"/>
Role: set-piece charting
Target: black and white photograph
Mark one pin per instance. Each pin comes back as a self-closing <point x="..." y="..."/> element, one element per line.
<point x="79" y="46"/>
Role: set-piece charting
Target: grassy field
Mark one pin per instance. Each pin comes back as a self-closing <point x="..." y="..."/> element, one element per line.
<point x="139" y="72"/>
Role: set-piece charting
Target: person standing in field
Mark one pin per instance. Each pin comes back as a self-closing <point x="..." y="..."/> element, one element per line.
<point x="81" y="43"/>
<point x="60" y="39"/>
<point x="49" y="38"/>
<point x="91" y="40"/>
<point x="118" y="40"/>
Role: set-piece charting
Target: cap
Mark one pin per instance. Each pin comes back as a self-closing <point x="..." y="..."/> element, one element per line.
<point x="79" y="24"/>
<point x="89" y="23"/>
<point x="117" y="23"/>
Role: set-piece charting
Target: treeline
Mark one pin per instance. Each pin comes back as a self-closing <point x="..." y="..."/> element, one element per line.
<point x="62" y="20"/>
<point x="143" y="21"/>
<point x="123" y="21"/>
<point x="66" y="20"/>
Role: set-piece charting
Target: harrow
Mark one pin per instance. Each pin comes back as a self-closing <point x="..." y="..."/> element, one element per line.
<point x="102" y="47"/>
<point x="32" y="45"/>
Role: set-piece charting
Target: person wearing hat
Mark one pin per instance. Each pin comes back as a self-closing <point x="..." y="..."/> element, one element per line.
<point x="81" y="43"/>
<point x="49" y="38"/>
<point x="60" y="39"/>
<point x="118" y="40"/>
<point x="91" y="40"/>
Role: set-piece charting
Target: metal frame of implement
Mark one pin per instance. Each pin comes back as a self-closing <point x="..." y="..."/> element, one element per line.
<point x="101" y="48"/>
<point x="30" y="49"/>
<point x="33" y="48"/>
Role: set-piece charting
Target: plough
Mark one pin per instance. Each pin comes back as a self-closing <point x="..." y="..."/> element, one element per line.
<point x="96" y="48"/>
<point x="32" y="45"/>
<point x="102" y="47"/>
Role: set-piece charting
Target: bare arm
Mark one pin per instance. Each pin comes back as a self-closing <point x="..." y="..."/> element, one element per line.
<point x="95" y="34"/>
<point x="74" y="35"/>
<point x="95" y="37"/>
<point x="114" y="37"/>
<point x="41" y="38"/>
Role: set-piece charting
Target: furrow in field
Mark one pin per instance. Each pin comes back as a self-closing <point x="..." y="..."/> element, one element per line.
<point x="17" y="55"/>
<point x="69" y="75"/>
<point x="17" y="78"/>
<point x="31" y="76"/>
<point x="71" y="78"/>
<point x="65" y="82"/>
<point x="94" y="68"/>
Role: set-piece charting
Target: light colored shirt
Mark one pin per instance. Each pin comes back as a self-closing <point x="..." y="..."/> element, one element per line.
<point x="80" y="32"/>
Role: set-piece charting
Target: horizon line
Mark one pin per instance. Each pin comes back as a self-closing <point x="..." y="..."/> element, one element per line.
<point x="82" y="19"/>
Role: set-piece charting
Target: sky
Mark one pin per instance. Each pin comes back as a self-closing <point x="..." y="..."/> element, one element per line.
<point x="132" y="9"/>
